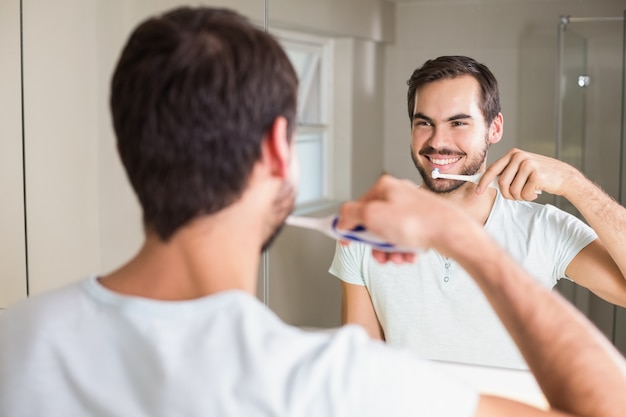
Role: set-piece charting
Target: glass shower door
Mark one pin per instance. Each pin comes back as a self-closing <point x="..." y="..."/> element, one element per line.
<point x="574" y="81"/>
<point x="591" y="132"/>
<point x="570" y="134"/>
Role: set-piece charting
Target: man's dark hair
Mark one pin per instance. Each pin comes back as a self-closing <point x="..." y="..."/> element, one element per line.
<point x="192" y="96"/>
<point x="448" y="67"/>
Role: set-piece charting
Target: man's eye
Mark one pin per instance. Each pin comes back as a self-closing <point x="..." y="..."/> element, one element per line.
<point x="422" y="123"/>
<point x="458" y="123"/>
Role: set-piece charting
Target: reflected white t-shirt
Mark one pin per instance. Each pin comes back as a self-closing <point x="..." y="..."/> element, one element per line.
<point x="87" y="351"/>
<point x="435" y="308"/>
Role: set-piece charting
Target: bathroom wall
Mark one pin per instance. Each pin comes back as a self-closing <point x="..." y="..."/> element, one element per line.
<point x="12" y="235"/>
<point x="59" y="96"/>
<point x="67" y="210"/>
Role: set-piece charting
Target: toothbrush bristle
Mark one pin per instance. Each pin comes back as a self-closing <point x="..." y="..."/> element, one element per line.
<point x="435" y="173"/>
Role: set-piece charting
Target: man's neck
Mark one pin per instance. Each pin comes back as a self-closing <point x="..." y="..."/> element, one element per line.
<point x="201" y="259"/>
<point x="478" y="206"/>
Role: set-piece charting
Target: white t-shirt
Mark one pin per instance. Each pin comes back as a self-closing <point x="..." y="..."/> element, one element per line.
<point x="435" y="308"/>
<point x="87" y="351"/>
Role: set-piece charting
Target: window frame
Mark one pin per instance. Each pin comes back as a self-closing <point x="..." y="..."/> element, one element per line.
<point x="324" y="48"/>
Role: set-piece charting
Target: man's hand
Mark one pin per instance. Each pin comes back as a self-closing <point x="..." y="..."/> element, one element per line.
<point x="407" y="216"/>
<point x="522" y="174"/>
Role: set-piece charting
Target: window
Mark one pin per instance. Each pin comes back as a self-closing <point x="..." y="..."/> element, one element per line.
<point x="311" y="57"/>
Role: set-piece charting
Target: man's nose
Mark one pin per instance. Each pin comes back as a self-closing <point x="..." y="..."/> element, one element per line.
<point x="439" y="138"/>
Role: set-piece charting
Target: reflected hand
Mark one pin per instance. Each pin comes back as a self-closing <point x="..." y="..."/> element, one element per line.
<point x="522" y="174"/>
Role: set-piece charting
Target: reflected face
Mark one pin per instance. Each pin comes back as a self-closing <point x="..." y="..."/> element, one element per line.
<point x="449" y="132"/>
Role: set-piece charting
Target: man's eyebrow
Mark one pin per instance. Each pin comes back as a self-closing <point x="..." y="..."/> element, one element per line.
<point x="458" y="117"/>
<point x="423" y="117"/>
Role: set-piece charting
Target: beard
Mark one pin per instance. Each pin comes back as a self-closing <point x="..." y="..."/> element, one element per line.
<point x="283" y="205"/>
<point x="444" y="186"/>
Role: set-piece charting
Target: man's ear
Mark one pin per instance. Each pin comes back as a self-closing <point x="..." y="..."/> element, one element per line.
<point x="496" y="129"/>
<point x="276" y="148"/>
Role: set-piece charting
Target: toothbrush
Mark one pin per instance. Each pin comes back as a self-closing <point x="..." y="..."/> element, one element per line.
<point x="471" y="178"/>
<point x="328" y="226"/>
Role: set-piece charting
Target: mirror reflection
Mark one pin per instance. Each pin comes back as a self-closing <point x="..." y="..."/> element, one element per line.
<point x="65" y="189"/>
<point x="521" y="44"/>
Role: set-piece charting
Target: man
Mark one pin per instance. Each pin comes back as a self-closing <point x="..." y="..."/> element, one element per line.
<point x="203" y="106"/>
<point x="432" y="306"/>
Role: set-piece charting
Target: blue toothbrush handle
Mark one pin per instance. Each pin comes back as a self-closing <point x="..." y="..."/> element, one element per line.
<point x="360" y="234"/>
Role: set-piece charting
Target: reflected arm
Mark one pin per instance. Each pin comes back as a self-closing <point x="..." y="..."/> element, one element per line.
<point x="357" y="308"/>
<point x="601" y="266"/>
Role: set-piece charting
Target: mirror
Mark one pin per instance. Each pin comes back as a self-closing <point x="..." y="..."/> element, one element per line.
<point x="519" y="42"/>
<point x="69" y="211"/>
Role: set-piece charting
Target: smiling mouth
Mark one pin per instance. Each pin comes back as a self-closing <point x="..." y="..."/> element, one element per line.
<point x="446" y="161"/>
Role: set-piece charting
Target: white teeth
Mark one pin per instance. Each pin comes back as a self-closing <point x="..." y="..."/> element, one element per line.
<point x="444" y="161"/>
